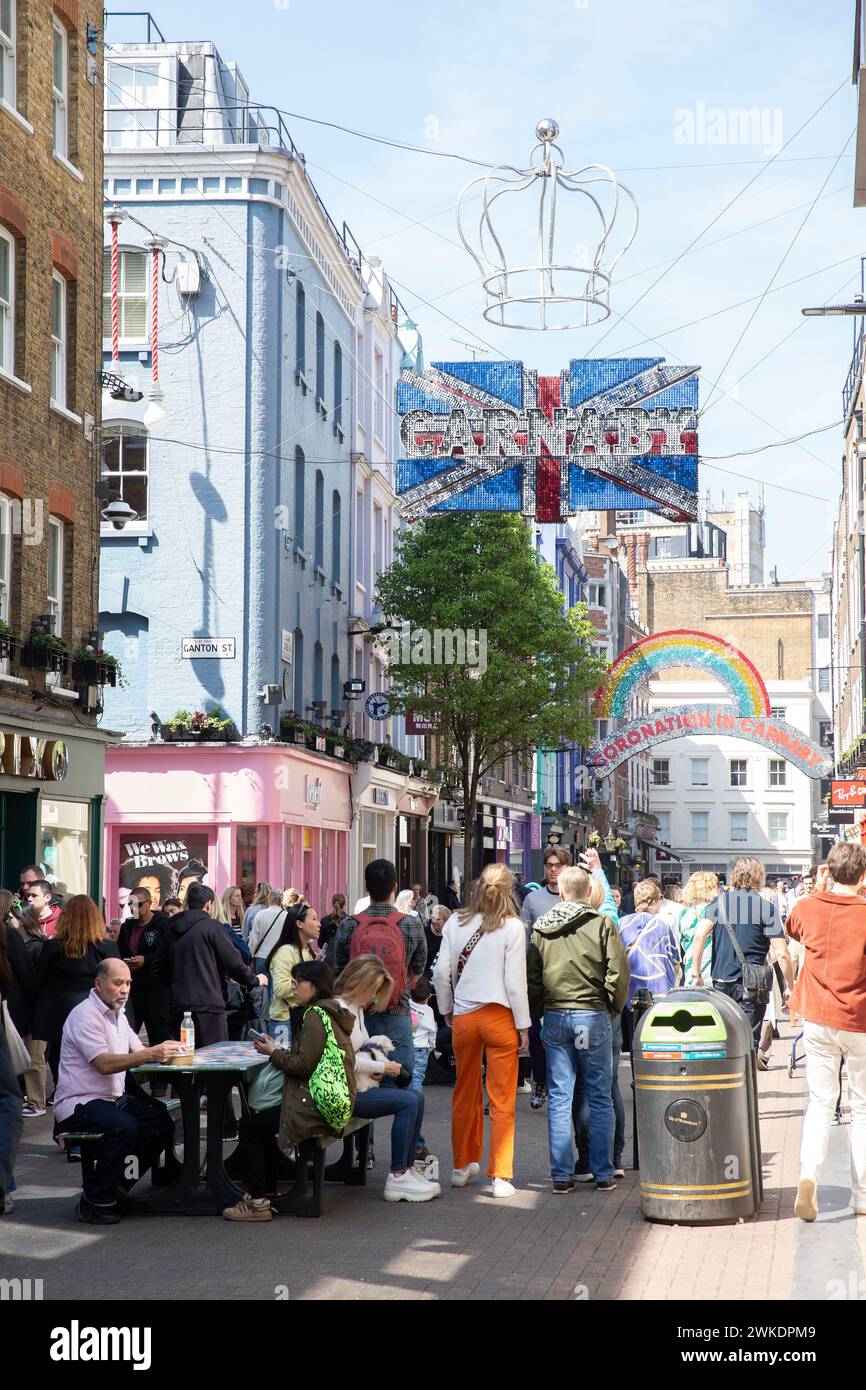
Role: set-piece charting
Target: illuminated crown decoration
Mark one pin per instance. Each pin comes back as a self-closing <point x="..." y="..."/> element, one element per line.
<point x="544" y="293"/>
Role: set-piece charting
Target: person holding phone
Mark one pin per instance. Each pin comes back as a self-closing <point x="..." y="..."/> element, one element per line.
<point x="280" y="1123"/>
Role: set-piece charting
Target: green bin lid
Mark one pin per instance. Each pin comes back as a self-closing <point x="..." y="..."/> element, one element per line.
<point x="674" y="1020"/>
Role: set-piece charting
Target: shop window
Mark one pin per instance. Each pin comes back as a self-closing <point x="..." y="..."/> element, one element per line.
<point x="251" y="858"/>
<point x="65" y="843"/>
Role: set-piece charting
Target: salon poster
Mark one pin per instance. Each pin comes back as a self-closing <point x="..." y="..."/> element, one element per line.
<point x="164" y="866"/>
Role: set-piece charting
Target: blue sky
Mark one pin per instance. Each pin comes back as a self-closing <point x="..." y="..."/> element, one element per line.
<point x="636" y="86"/>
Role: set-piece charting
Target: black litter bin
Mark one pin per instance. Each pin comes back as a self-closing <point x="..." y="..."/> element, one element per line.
<point x="697" y="1110"/>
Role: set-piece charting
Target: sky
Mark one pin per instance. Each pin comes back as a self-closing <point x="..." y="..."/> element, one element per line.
<point x="649" y="90"/>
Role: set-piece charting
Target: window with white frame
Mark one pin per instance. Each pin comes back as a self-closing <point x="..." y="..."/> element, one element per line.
<point x="131" y="295"/>
<point x="823" y="626"/>
<point x="597" y="595"/>
<point x="58" y="339"/>
<point x="778" y="772"/>
<point x="124" y="466"/>
<point x="739" y="827"/>
<point x="60" y="89"/>
<point x="663" y="832"/>
<point x="700" y="827"/>
<point x="133" y="97"/>
<point x="379" y="390"/>
<point x="739" y="772"/>
<point x="5" y="556"/>
<point x="778" y="827"/>
<point x="55" y="573"/>
<point x="823" y="679"/>
<point x="700" y="772"/>
<point x="661" y="772"/>
<point x="7" y="301"/>
<point x="8" y="57"/>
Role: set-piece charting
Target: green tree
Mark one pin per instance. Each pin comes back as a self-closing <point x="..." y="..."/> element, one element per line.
<point x="531" y="667"/>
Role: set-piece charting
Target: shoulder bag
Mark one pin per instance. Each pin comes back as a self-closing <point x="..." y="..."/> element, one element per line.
<point x="757" y="979"/>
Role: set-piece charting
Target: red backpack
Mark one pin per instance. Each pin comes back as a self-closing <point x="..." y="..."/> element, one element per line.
<point x="382" y="937"/>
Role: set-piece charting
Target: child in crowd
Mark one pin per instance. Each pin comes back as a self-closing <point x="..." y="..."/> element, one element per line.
<point x="423" y="1039"/>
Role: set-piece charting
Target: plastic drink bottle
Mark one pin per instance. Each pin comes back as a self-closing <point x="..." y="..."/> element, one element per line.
<point x="187" y="1032"/>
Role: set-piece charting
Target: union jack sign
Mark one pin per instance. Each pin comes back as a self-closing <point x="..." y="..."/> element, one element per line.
<point x="607" y="433"/>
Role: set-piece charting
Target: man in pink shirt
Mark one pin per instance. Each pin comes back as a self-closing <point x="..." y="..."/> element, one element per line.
<point x="98" y="1048"/>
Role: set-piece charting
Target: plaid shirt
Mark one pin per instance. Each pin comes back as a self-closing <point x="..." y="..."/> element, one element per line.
<point x="414" y="941"/>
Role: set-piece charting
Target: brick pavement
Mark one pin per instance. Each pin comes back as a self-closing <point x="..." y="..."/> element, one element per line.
<point x="462" y="1246"/>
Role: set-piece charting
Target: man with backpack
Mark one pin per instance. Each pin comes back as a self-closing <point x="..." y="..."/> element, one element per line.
<point x="398" y="939"/>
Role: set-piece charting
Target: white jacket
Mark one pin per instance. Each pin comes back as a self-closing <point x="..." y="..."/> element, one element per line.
<point x="495" y="972"/>
<point x="364" y="1063"/>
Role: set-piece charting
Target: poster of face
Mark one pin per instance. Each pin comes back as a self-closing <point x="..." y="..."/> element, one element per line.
<point x="166" y="867"/>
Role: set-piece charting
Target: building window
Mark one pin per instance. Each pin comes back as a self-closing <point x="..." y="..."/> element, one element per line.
<point x="739" y="772"/>
<point x="338" y="386"/>
<point x="700" y="772"/>
<point x="5" y="557"/>
<point x="132" y="96"/>
<point x="379" y="390"/>
<point x="778" y="772"/>
<point x="299" y="501"/>
<point x="825" y="733"/>
<point x="663" y="832"/>
<point x="778" y="711"/>
<point x="378" y="541"/>
<point x="319" y="545"/>
<point x="124" y="466"/>
<point x="8" y="62"/>
<point x="60" y="90"/>
<point x="300" y="332"/>
<point x="336" y="539"/>
<point x="318" y="679"/>
<point x="7" y="302"/>
<point x="603" y="725"/>
<point x="58" y="339"/>
<point x="823" y="627"/>
<point x="131" y="295"/>
<point x="661" y="772"/>
<point x="597" y="595"/>
<point x="298" y="664"/>
<point x="823" y="679"/>
<point x="778" y="827"/>
<point x="320" y="360"/>
<point x="336" y="688"/>
<point x="739" y="827"/>
<point x="55" y="573"/>
<point x="700" y="827"/>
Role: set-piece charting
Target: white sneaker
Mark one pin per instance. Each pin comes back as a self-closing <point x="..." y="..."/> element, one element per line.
<point x="32" y="1112"/>
<point x="525" y="1089"/>
<point x="409" y="1187"/>
<point x="502" y="1188"/>
<point x="461" y="1176"/>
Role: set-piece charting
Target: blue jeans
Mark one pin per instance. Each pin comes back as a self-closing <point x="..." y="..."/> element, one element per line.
<point x="397" y="1027"/>
<point x="419" y="1071"/>
<point x="618" y="1107"/>
<point x="11" y="1123"/>
<point x="407" y="1107"/>
<point x="578" y="1042"/>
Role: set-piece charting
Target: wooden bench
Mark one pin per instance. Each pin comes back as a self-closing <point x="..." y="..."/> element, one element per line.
<point x="304" y="1198"/>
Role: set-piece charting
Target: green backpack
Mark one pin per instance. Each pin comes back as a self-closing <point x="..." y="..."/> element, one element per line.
<point x="329" y="1085"/>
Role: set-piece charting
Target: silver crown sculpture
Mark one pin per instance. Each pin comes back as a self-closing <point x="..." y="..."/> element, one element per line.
<point x="545" y="294"/>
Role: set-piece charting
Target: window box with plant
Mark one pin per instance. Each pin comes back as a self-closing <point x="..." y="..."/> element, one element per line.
<point x="95" y="667"/>
<point x="386" y="755"/>
<point x="45" y="652"/>
<point x="10" y="642"/>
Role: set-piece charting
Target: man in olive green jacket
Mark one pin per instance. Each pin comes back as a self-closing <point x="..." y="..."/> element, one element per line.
<point x="577" y="974"/>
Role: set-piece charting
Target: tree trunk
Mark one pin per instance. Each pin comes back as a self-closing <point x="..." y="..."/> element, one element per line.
<point x="470" y="805"/>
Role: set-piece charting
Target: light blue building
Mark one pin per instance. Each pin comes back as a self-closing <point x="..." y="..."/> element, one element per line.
<point x="258" y="464"/>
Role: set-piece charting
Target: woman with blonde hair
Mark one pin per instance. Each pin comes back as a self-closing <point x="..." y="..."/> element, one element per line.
<point x="291" y="897"/>
<point x="66" y="970"/>
<point x="480" y="983"/>
<point x="701" y="889"/>
<point x="233" y="908"/>
<point x="365" y="984"/>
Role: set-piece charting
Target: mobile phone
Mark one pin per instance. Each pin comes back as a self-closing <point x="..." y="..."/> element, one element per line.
<point x="257" y="1037"/>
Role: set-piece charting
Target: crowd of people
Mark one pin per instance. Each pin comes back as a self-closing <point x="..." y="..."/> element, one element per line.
<point x="355" y="1013"/>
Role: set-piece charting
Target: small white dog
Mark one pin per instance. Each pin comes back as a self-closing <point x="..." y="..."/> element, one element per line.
<point x="378" y="1049"/>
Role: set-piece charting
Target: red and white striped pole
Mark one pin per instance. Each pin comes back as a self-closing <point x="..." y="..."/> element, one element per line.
<point x="156" y="247"/>
<point x="115" y="217"/>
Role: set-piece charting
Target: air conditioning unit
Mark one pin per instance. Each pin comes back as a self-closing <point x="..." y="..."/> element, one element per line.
<point x="188" y="278"/>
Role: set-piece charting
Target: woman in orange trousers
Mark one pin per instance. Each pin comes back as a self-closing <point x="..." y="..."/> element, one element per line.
<point x="480" y="981"/>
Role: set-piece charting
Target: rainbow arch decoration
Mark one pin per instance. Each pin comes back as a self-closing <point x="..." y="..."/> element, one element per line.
<point x="701" y="651"/>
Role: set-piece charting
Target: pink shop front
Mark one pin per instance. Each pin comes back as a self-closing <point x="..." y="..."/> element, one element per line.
<point x="234" y="813"/>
